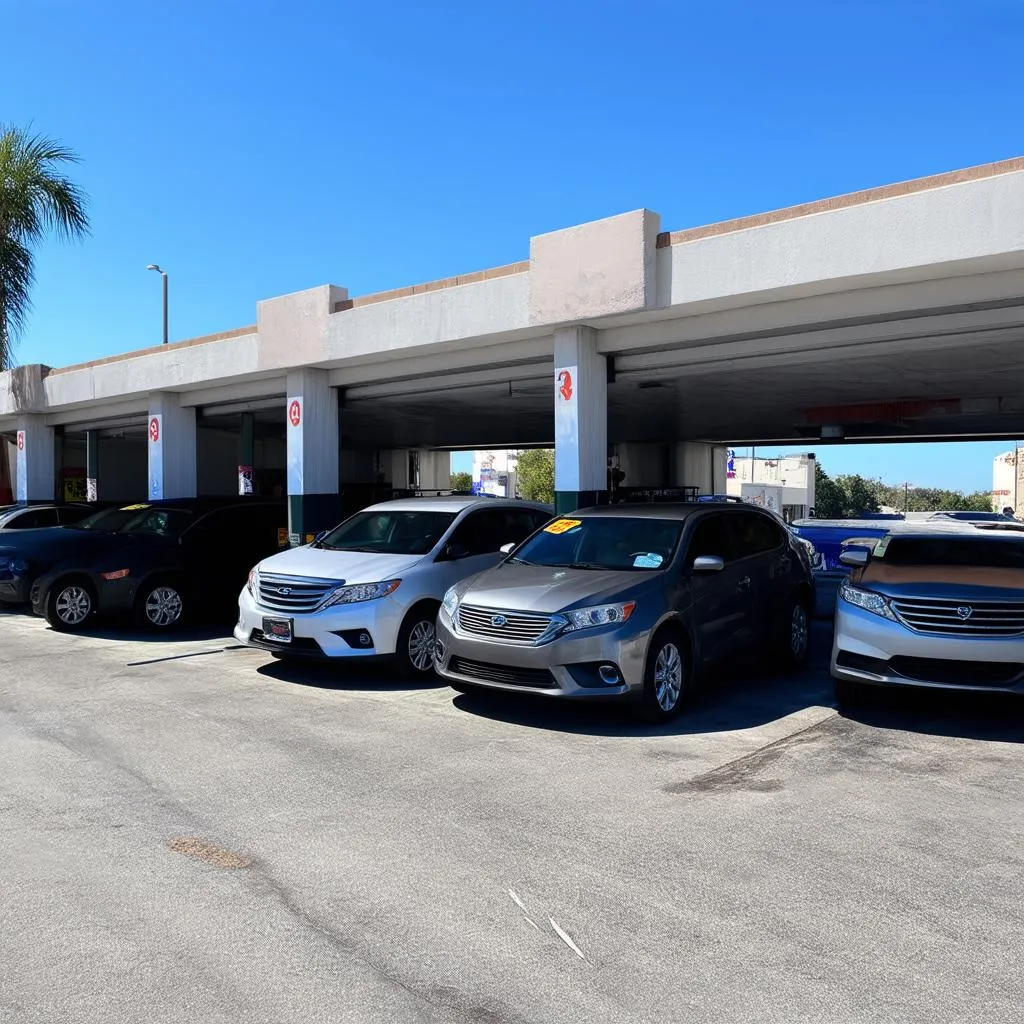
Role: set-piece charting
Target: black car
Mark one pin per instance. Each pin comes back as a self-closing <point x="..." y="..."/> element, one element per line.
<point x="35" y="517"/>
<point x="24" y="554"/>
<point x="169" y="561"/>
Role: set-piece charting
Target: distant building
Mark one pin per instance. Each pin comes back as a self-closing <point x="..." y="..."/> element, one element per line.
<point x="1008" y="482"/>
<point x="494" y="472"/>
<point x="784" y="485"/>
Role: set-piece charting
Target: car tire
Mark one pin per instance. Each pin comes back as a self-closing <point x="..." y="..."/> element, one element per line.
<point x="414" y="655"/>
<point x="794" y="637"/>
<point x="668" y="678"/>
<point x="160" y="606"/>
<point x="70" y="604"/>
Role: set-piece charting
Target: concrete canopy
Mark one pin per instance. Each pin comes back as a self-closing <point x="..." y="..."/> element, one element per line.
<point x="896" y="312"/>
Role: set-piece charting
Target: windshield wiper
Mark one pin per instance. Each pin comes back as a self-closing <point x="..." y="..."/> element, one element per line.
<point x="576" y="565"/>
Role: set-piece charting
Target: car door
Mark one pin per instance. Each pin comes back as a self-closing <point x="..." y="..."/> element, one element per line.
<point x="218" y="551"/>
<point x="474" y="545"/>
<point x="764" y="553"/>
<point x="721" y="601"/>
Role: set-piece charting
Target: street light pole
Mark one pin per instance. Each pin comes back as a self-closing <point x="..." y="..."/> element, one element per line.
<point x="163" y="274"/>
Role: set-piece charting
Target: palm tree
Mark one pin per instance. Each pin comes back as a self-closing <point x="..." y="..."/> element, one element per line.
<point x="35" y="198"/>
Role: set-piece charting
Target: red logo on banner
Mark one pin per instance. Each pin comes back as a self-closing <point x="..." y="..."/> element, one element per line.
<point x="565" y="384"/>
<point x="21" y="440"/>
<point x="295" y="412"/>
<point x="154" y="430"/>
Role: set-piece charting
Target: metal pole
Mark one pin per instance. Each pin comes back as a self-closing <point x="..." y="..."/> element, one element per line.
<point x="906" y="496"/>
<point x="164" y="276"/>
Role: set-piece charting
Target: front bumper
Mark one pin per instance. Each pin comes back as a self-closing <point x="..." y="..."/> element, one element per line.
<point x="365" y="630"/>
<point x="563" y="667"/>
<point x="15" y="589"/>
<point x="871" y="649"/>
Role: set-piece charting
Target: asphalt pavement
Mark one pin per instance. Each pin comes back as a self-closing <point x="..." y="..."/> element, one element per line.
<point x="190" y="831"/>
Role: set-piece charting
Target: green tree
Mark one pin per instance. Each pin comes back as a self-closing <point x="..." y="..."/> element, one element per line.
<point x="845" y="497"/>
<point x="462" y="481"/>
<point x="828" y="498"/>
<point x="35" y="199"/>
<point x="536" y="472"/>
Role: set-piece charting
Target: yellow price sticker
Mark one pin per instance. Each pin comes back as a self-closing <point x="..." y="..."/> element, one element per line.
<point x="133" y="508"/>
<point x="563" y="525"/>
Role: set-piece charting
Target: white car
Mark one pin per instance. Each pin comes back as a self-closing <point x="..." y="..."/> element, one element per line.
<point x="372" y="586"/>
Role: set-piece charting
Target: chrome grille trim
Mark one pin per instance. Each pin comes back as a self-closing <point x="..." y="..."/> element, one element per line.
<point x="306" y="593"/>
<point x="519" y="628"/>
<point x="940" y="616"/>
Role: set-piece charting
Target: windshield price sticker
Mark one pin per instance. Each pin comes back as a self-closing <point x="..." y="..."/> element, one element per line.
<point x="563" y="525"/>
<point x="648" y="561"/>
<point x="133" y="508"/>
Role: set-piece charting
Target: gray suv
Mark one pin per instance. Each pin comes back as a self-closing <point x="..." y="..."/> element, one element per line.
<point x="630" y="602"/>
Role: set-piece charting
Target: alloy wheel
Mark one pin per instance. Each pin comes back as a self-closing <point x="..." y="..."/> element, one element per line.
<point x="668" y="677"/>
<point x="421" y="646"/>
<point x="73" y="605"/>
<point x="163" y="606"/>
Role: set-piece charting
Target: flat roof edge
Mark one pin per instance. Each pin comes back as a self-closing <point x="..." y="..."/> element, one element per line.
<point x="842" y="202"/>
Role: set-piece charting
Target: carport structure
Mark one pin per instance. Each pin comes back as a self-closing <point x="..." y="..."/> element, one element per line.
<point x="897" y="312"/>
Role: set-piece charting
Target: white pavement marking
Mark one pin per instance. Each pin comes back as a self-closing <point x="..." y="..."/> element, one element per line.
<point x="566" y="939"/>
<point x="522" y="906"/>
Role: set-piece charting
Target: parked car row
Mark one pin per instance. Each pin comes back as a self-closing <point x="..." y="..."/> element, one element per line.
<point x="629" y="602"/>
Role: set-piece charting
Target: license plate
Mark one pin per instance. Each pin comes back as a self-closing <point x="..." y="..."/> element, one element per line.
<point x="278" y="631"/>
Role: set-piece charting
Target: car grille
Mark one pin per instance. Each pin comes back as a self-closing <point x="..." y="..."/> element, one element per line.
<point x="536" y="678"/>
<point x="962" y="618"/>
<point x="498" y="625"/>
<point x="303" y="594"/>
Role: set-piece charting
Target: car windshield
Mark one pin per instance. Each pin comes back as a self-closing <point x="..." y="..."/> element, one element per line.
<point x="108" y="520"/>
<point x="982" y="553"/>
<point x="158" y="522"/>
<point x="604" y="542"/>
<point x="390" y="533"/>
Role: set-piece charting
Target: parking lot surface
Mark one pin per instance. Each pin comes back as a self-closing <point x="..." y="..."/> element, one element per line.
<point x="190" y="831"/>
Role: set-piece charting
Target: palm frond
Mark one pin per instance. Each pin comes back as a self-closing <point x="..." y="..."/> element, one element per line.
<point x="16" y="276"/>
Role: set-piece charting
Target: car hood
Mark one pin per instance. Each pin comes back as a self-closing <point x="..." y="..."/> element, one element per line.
<point x="350" y="566"/>
<point x="547" y="589"/>
<point x="959" y="582"/>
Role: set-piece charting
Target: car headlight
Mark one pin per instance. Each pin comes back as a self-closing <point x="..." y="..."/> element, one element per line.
<point x="253" y="582"/>
<point x="15" y="566"/>
<point x="868" y="600"/>
<point x="450" y="603"/>
<point x="360" y="592"/>
<point x="599" y="615"/>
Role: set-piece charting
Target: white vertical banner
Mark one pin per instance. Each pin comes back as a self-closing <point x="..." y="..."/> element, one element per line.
<point x="295" y="453"/>
<point x="156" y="457"/>
<point x="567" y="438"/>
<point x="22" y="466"/>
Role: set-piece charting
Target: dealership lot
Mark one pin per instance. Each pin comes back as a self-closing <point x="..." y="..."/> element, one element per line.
<point x="190" y="830"/>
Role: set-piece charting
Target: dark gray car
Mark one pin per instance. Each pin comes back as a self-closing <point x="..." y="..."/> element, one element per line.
<point x="630" y="602"/>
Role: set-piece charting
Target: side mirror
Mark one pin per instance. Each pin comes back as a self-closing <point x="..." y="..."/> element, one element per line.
<point x="708" y="563"/>
<point x="454" y="552"/>
<point x="856" y="558"/>
<point x="507" y="549"/>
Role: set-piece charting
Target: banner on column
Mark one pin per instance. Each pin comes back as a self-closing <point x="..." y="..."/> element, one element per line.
<point x="567" y="440"/>
<point x="22" y="466"/>
<point x="156" y="458"/>
<point x="245" y="479"/>
<point x="294" y="431"/>
<point x="91" y="490"/>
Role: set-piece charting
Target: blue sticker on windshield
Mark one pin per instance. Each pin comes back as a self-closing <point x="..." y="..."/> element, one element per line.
<point x="648" y="561"/>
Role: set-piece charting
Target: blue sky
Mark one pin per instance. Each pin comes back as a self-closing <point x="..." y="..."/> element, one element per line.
<point x="257" y="148"/>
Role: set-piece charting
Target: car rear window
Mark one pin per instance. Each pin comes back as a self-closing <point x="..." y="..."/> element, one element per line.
<point x="983" y="552"/>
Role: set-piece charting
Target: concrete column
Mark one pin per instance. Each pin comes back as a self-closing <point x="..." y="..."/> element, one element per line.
<point x="172" y="447"/>
<point x="35" y="473"/>
<point x="92" y="465"/>
<point x="312" y="433"/>
<point x="643" y="465"/>
<point x="581" y="419"/>
<point x="247" y="453"/>
<point x="700" y="465"/>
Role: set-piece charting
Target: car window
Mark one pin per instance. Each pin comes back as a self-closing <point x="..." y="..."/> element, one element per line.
<point x="482" y="532"/>
<point x="73" y="514"/>
<point x="514" y="524"/>
<point x="239" y="528"/>
<point x="159" y="522"/>
<point x="399" y="532"/>
<point x="711" y="536"/>
<point x="32" y="519"/>
<point x="604" y="542"/>
<point x="755" y="533"/>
